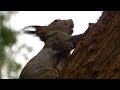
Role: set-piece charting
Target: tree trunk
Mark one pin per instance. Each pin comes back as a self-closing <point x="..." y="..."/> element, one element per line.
<point x="97" y="55"/>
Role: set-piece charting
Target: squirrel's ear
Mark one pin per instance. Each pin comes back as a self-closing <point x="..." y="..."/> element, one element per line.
<point x="33" y="26"/>
<point x="38" y="28"/>
<point x="29" y="32"/>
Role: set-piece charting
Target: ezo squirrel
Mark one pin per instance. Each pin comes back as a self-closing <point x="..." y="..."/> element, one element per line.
<point x="50" y="61"/>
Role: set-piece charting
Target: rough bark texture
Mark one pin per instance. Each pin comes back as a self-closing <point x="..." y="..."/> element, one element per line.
<point x="97" y="55"/>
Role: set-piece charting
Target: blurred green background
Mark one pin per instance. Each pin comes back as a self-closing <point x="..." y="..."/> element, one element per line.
<point x="9" y="68"/>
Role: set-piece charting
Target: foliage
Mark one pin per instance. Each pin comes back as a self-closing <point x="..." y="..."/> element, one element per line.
<point x="7" y="39"/>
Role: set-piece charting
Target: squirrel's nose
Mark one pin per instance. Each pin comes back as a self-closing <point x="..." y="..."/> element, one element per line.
<point x="71" y="20"/>
<point x="72" y="24"/>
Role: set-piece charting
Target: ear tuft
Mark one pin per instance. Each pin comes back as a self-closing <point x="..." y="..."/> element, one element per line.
<point x="30" y="32"/>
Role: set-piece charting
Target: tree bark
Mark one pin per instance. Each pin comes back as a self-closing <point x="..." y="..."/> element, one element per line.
<point x="97" y="55"/>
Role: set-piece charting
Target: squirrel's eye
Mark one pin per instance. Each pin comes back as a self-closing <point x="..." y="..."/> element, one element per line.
<point x="56" y="20"/>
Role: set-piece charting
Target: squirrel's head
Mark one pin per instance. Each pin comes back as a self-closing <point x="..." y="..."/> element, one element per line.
<point x="62" y="25"/>
<point x="65" y="26"/>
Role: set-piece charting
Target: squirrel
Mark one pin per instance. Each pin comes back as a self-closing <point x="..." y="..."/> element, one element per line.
<point x="45" y="64"/>
<point x="65" y="26"/>
<point x="52" y="59"/>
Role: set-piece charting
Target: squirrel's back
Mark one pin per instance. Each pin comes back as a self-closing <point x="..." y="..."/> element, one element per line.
<point x="40" y="66"/>
<point x="46" y="63"/>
